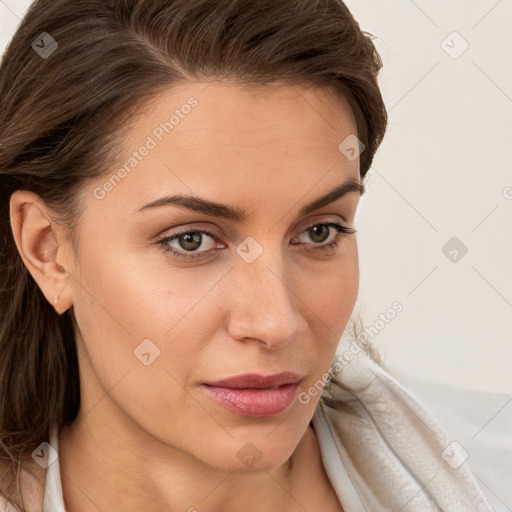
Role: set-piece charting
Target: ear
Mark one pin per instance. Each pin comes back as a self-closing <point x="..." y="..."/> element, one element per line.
<point x="42" y="247"/>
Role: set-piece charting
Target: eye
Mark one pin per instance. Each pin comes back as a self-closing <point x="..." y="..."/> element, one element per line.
<point x="323" y="236"/>
<point x="187" y="244"/>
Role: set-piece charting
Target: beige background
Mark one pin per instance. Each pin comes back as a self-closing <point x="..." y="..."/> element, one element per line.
<point x="443" y="171"/>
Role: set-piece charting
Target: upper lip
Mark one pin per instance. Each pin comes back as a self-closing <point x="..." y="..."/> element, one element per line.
<point x="256" y="381"/>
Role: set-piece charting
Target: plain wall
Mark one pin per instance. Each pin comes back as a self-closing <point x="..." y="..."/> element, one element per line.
<point x="443" y="171"/>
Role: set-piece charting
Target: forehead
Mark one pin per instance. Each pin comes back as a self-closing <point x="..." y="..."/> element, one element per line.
<point x="225" y="111"/>
<point x="220" y="138"/>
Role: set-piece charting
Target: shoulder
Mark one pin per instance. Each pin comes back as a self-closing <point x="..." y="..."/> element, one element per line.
<point x="33" y="479"/>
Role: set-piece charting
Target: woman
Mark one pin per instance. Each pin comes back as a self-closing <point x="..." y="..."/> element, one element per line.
<point x="179" y="186"/>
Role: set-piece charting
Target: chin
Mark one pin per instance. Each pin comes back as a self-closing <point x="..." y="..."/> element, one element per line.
<point x="262" y="453"/>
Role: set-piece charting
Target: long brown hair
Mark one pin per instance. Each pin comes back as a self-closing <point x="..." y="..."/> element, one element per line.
<point x="63" y="109"/>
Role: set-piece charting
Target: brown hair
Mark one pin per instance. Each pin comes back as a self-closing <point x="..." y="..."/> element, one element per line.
<point x="63" y="115"/>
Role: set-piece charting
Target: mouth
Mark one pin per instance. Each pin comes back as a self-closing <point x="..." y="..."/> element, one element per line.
<point x="254" y="395"/>
<point x="256" y="381"/>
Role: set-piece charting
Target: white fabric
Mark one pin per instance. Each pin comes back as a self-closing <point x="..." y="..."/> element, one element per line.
<point x="481" y="421"/>
<point x="387" y="460"/>
<point x="393" y="452"/>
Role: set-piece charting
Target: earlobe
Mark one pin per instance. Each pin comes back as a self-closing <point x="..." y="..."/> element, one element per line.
<point x="37" y="241"/>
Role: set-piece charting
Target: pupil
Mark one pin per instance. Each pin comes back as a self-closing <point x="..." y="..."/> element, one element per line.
<point x="320" y="230"/>
<point x="190" y="241"/>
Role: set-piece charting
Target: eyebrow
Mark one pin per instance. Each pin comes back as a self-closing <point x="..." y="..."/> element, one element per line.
<point x="236" y="214"/>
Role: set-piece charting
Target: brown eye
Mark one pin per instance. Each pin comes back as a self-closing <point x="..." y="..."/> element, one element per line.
<point x="319" y="233"/>
<point x="190" y="241"/>
<point x="185" y="244"/>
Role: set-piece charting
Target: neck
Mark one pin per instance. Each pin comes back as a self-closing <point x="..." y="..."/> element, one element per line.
<point x="115" y="465"/>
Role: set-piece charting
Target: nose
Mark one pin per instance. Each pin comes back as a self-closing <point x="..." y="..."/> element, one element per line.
<point x="264" y="306"/>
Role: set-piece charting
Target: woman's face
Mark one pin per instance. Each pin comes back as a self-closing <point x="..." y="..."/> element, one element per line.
<point x="247" y="285"/>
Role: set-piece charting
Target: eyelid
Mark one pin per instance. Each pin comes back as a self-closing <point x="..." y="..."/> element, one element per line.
<point x="322" y="220"/>
<point x="210" y="229"/>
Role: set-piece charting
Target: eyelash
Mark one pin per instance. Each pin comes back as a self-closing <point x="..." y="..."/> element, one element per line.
<point x="191" y="256"/>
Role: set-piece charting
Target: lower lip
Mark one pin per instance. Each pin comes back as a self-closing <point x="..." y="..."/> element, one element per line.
<point x="254" y="403"/>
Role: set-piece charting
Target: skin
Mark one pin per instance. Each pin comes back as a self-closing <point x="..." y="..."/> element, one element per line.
<point x="148" y="434"/>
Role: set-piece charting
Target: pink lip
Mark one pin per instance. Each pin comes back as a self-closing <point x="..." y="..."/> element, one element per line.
<point x="256" y="381"/>
<point x="255" y="396"/>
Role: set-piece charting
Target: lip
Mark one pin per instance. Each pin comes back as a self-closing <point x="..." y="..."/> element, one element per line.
<point x="254" y="395"/>
<point x="256" y="381"/>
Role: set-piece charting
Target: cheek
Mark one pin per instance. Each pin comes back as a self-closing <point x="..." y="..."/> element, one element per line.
<point x="130" y="313"/>
<point x="141" y="333"/>
<point x="331" y="293"/>
<point x="329" y="297"/>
